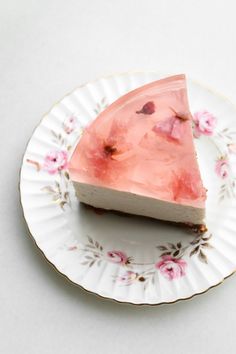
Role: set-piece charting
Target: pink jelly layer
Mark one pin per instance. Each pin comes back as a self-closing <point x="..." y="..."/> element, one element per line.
<point x="139" y="145"/>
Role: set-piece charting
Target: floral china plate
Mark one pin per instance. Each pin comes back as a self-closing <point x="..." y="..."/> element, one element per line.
<point x="122" y="257"/>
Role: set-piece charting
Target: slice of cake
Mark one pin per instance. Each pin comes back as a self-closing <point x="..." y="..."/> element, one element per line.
<point x="138" y="156"/>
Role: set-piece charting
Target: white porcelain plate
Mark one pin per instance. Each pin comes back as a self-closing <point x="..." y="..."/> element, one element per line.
<point x="127" y="258"/>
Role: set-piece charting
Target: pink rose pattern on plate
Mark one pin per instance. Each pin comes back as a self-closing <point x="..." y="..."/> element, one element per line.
<point x="204" y="123"/>
<point x="171" y="268"/>
<point x="127" y="278"/>
<point x="70" y="123"/>
<point x="118" y="257"/>
<point x="171" y="264"/>
<point x="55" y="161"/>
<point x="222" y="167"/>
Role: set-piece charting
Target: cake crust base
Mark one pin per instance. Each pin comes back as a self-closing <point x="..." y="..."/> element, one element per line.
<point x="198" y="229"/>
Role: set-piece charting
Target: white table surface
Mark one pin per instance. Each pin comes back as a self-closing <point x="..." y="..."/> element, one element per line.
<point x="47" y="48"/>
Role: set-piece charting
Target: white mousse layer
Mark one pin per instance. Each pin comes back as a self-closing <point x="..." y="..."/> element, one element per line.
<point x="107" y="198"/>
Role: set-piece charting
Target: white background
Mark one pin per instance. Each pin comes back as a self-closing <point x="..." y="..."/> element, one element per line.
<point x="47" y="48"/>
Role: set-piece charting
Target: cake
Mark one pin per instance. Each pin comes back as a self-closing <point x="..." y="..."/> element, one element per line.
<point x="138" y="156"/>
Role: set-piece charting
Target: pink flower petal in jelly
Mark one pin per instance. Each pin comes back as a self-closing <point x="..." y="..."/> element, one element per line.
<point x="170" y="127"/>
<point x="148" y="108"/>
<point x="138" y="153"/>
<point x="185" y="186"/>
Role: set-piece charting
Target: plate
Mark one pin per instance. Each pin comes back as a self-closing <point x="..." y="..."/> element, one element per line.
<point x="128" y="258"/>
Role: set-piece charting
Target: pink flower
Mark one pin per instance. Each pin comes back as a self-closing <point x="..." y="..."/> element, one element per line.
<point x="204" y="123"/>
<point x="108" y="149"/>
<point x="186" y="185"/>
<point x="118" y="257"/>
<point x="170" y="127"/>
<point x="55" y="161"/>
<point x="69" y="124"/>
<point x="148" y="108"/>
<point x="171" y="268"/>
<point x="128" y="278"/>
<point x="222" y="167"/>
<point x="106" y="157"/>
<point x="232" y="148"/>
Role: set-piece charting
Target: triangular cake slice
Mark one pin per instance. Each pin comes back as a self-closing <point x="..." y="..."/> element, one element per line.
<point x="138" y="156"/>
